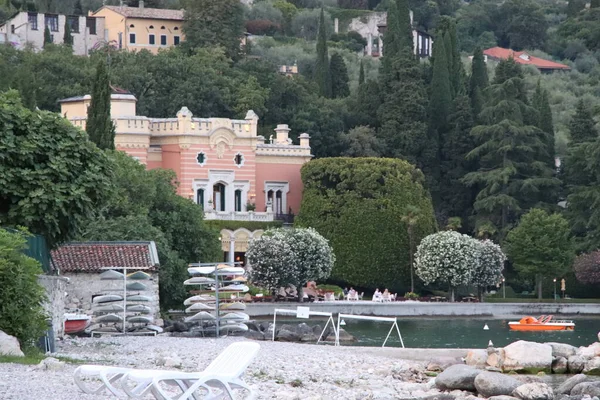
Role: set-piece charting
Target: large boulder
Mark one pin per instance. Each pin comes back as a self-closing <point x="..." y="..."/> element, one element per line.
<point x="534" y="391"/>
<point x="461" y="377"/>
<point x="562" y="349"/>
<point x="476" y="358"/>
<point x="285" y="335"/>
<point x="495" y="384"/>
<point x="590" y="388"/>
<point x="569" y="384"/>
<point x="345" y="336"/>
<point x="592" y="367"/>
<point x="590" y="351"/>
<point x="9" y="345"/>
<point x="502" y="398"/>
<point x="528" y="357"/>
<point x="256" y="335"/>
<point x="439" y="364"/>
<point x="559" y="365"/>
<point x="576" y="364"/>
<point x="496" y="359"/>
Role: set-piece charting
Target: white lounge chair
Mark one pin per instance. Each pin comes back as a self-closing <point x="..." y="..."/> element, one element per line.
<point x="224" y="373"/>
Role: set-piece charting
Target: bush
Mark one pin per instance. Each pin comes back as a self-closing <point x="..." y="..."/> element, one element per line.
<point x="21" y="296"/>
<point x="411" y="296"/>
<point x="331" y="288"/>
<point x="262" y="27"/>
<point x="587" y="268"/>
<point x="358" y="204"/>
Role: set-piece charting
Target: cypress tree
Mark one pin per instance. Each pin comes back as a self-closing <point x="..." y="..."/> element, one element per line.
<point x="595" y="4"/>
<point x="67" y="38"/>
<point x="582" y="125"/>
<point x="339" y="77"/>
<point x="479" y="81"/>
<point x="361" y="74"/>
<point x="47" y="37"/>
<point x="574" y="6"/>
<point x="441" y="98"/>
<point x="78" y="9"/>
<point x="446" y="29"/>
<point x="322" y="72"/>
<point x="99" y="126"/>
<point x="405" y="32"/>
<point x="511" y="170"/>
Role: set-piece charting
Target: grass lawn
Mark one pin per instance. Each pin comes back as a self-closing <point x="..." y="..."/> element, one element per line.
<point x="34" y="357"/>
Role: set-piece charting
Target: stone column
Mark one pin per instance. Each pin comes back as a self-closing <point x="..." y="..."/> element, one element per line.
<point x="336" y="25"/>
<point x="231" y="257"/>
<point x="369" y="44"/>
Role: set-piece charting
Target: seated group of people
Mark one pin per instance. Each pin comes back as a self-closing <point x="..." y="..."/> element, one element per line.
<point x="351" y="294"/>
<point x="385" y="296"/>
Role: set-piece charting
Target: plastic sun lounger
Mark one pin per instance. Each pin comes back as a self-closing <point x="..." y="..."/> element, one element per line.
<point x="223" y="373"/>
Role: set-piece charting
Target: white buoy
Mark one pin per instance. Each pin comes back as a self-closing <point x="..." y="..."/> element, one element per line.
<point x="486" y="328"/>
<point x="490" y="344"/>
<point x="343" y="323"/>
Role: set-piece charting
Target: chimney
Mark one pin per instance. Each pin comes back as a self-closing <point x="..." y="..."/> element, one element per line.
<point x="141" y="5"/>
<point x="304" y="140"/>
<point x="282" y="131"/>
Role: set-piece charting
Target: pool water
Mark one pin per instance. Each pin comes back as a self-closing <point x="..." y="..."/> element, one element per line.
<point x="460" y="332"/>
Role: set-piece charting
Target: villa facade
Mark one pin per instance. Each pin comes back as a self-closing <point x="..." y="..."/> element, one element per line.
<point x="221" y="164"/>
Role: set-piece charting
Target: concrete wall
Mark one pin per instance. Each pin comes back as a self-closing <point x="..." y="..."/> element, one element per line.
<point x="55" y="306"/>
<point x="83" y="286"/>
<point x="412" y="309"/>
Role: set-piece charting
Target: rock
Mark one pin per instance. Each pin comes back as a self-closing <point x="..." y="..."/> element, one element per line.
<point x="496" y="358"/>
<point x="51" y="364"/>
<point x="457" y="376"/>
<point x="264" y="326"/>
<point x="534" y="391"/>
<point x="493" y="369"/>
<point x="562" y="349"/>
<point x="309" y="338"/>
<point x="303" y="329"/>
<point x="171" y="361"/>
<point x="576" y="364"/>
<point x="9" y="345"/>
<point x="502" y="398"/>
<point x="589" y="388"/>
<point x="559" y="365"/>
<point x="317" y="330"/>
<point x="569" y="384"/>
<point x="476" y="358"/>
<point x="591" y="351"/>
<point x="592" y="367"/>
<point x="253" y="326"/>
<point x="441" y="396"/>
<point x="256" y="335"/>
<point x="179" y="326"/>
<point x="287" y="336"/>
<point x="528" y="379"/>
<point x="441" y="363"/>
<point x="495" y="384"/>
<point x="345" y="336"/>
<point x="529" y="357"/>
<point x="159" y="322"/>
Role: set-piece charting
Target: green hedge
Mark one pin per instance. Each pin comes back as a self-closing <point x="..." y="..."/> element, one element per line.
<point x="250" y="225"/>
<point x="358" y="205"/>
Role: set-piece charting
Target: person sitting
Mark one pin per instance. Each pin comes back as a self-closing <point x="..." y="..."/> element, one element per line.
<point x="386" y="295"/>
<point x="345" y="291"/>
<point x="377" y="295"/>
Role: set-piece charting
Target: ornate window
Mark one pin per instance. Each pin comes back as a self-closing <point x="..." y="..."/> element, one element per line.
<point x="239" y="160"/>
<point x="201" y="158"/>
<point x="200" y="197"/>
<point x="238" y="200"/>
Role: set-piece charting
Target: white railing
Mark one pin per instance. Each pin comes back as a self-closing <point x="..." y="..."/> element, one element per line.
<point x="239" y="216"/>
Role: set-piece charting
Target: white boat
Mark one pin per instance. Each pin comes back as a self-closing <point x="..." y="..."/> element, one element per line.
<point x="236" y="316"/>
<point x="201" y="316"/>
<point x="139" y="308"/>
<point x="207" y="298"/>
<point x="138" y="297"/>
<point x="136" y="286"/>
<point x="108" y="318"/>
<point x="236" y="306"/>
<point x="75" y="323"/>
<point x="138" y="276"/>
<point x="222" y="271"/>
<point x="199" y="280"/>
<point x="107" y="298"/>
<point x="233" y="288"/>
<point x="138" y="319"/>
<point x="154" y="328"/>
<point x="194" y="308"/>
<point x="111" y="275"/>
<point x="108" y="308"/>
<point x="233" y="328"/>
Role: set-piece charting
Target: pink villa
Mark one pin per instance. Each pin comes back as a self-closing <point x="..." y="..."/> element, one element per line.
<point x="221" y="164"/>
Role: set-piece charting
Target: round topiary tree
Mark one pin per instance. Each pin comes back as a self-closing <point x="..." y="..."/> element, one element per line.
<point x="447" y="257"/>
<point x="269" y="258"/>
<point x="587" y="268"/>
<point x="360" y="206"/>
<point x="491" y="264"/>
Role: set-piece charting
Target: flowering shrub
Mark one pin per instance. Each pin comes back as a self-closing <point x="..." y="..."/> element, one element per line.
<point x="587" y="268"/>
<point x="489" y="270"/>
<point x="411" y="296"/>
<point x="270" y="259"/>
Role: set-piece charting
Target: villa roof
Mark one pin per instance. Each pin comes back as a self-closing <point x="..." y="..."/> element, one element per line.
<point x="97" y="256"/>
<point x="523" y="58"/>
<point x="147" y="13"/>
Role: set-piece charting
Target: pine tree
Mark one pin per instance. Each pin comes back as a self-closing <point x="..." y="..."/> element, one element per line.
<point x="361" y="74"/>
<point x="582" y="125"/>
<point x="511" y="170"/>
<point x="67" y="38"/>
<point x="47" y="37"/>
<point x="99" y="126"/>
<point x="322" y="71"/>
<point x="339" y="77"/>
<point x="78" y="8"/>
<point x="595" y="4"/>
<point x="479" y="81"/>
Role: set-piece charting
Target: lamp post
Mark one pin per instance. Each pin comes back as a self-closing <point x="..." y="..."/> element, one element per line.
<point x="503" y="288"/>
<point x="554" y="280"/>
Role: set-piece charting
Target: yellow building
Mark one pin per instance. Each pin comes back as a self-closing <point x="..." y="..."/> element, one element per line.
<point x="137" y="28"/>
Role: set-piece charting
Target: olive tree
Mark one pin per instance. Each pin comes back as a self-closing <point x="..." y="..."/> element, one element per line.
<point x="447" y="257"/>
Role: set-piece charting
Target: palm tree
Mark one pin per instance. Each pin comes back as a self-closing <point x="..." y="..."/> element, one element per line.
<point x="410" y="218"/>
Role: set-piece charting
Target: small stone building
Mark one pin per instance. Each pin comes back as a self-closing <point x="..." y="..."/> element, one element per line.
<point x="82" y="264"/>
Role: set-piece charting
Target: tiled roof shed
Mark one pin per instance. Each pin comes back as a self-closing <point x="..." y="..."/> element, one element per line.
<point x="523" y="58"/>
<point x="98" y="256"/>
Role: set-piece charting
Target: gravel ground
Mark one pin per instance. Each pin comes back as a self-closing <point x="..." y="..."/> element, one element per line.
<point x="280" y="371"/>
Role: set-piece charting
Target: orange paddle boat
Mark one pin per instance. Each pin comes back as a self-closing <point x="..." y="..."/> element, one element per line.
<point x="541" y="323"/>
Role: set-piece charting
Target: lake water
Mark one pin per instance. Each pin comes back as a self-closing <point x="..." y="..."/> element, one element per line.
<point x="461" y="332"/>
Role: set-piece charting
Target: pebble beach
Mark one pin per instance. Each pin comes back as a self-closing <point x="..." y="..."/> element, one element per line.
<point x="280" y="371"/>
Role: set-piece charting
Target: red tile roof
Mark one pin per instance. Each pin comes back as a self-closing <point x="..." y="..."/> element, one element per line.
<point x="96" y="256"/>
<point x="522" y="57"/>
<point x="147" y="13"/>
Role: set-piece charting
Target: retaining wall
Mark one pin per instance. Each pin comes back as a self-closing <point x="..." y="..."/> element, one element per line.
<point x="55" y="305"/>
<point x="413" y="309"/>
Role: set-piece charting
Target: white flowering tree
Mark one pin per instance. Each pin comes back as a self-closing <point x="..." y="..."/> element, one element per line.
<point x="491" y="264"/>
<point x="290" y="256"/>
<point x="447" y="257"/>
